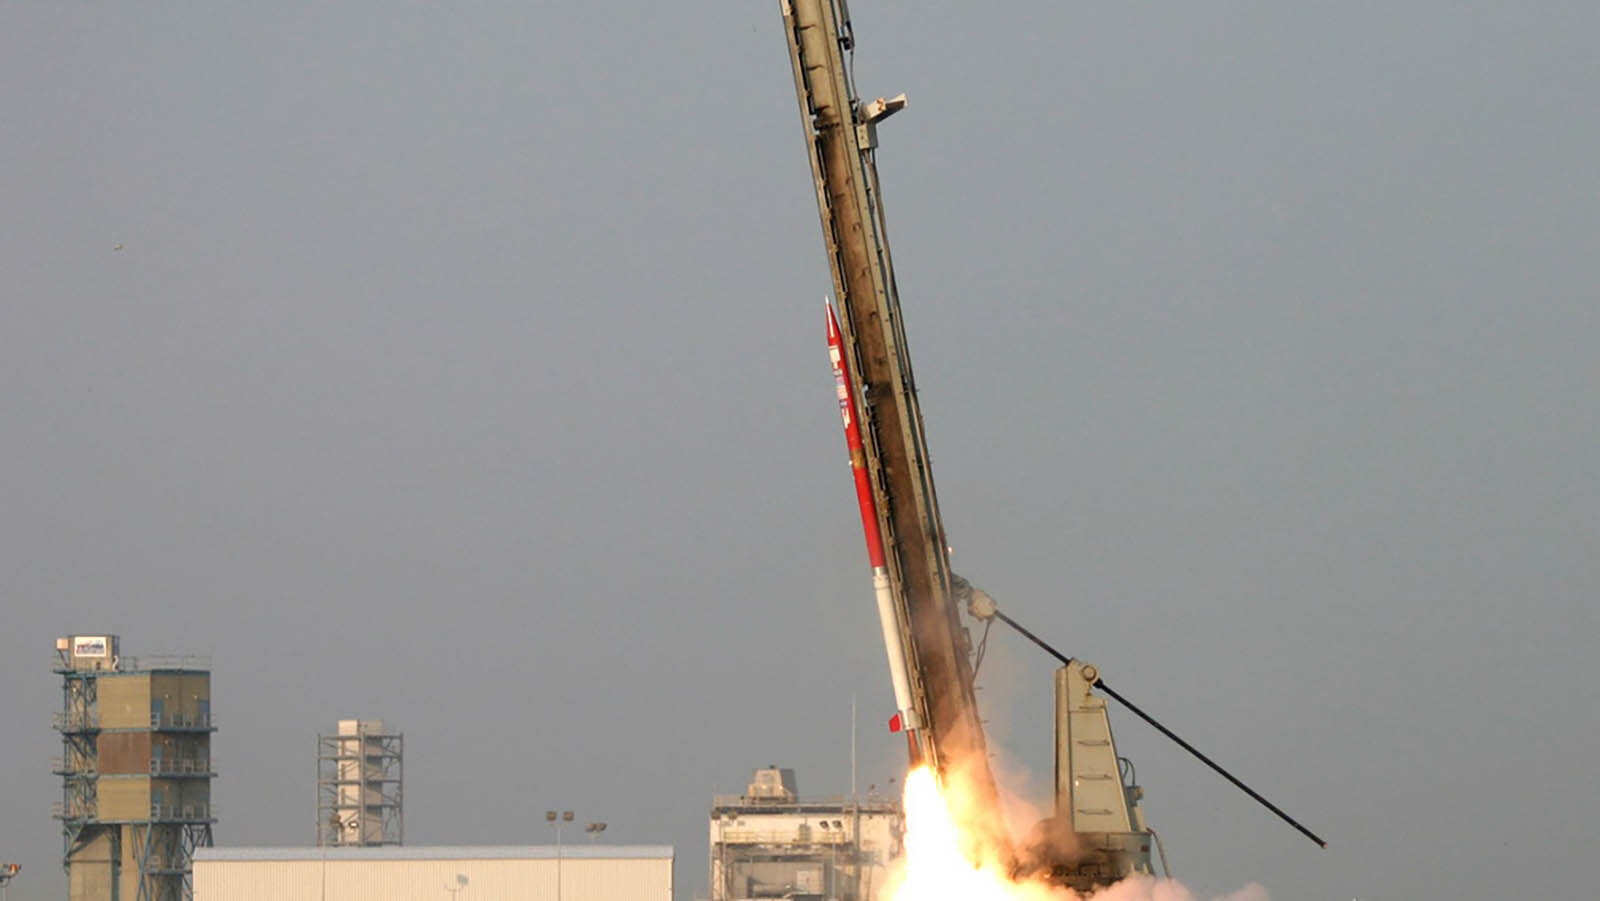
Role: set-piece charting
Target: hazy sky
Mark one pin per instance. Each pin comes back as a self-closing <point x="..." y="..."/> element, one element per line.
<point x="463" y="366"/>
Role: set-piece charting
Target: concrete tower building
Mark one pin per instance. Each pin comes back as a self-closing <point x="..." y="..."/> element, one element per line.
<point x="360" y="786"/>
<point x="136" y="770"/>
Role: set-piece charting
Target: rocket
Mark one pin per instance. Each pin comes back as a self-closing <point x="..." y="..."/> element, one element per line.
<point x="888" y="614"/>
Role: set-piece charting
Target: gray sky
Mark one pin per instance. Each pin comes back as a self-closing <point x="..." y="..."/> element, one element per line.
<point x="463" y="366"/>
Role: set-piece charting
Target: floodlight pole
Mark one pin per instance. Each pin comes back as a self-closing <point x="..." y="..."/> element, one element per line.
<point x="556" y="822"/>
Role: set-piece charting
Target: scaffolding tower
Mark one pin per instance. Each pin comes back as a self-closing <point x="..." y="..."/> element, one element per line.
<point x="360" y="786"/>
<point x="135" y="770"/>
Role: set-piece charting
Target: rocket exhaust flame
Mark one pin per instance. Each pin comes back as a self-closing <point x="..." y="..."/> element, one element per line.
<point x="941" y="863"/>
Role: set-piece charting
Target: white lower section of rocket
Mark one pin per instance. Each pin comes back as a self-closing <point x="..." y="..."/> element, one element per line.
<point x="894" y="646"/>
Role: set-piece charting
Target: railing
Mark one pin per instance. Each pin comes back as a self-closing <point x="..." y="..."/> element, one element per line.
<point x="146" y="662"/>
<point x="183" y="766"/>
<point x="197" y="812"/>
<point x="169" y="722"/>
<point x="868" y="803"/>
<point x="60" y="766"/>
<point x="84" y="667"/>
<point x="204" y="812"/>
<point x="178" y="766"/>
<point x="61" y="811"/>
<point x="785" y="837"/>
<point x="74" y="721"/>
<point x="90" y="666"/>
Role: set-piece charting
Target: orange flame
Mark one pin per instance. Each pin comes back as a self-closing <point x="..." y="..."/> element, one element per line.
<point x="936" y="865"/>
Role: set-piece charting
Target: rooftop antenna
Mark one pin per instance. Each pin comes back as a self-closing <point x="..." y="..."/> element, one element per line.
<point x="853" y="797"/>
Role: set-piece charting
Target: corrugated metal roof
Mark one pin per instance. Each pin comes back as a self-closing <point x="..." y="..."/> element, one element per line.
<point x="444" y="852"/>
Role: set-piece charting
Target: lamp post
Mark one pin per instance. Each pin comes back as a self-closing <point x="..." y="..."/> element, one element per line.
<point x="594" y="830"/>
<point x="556" y="822"/>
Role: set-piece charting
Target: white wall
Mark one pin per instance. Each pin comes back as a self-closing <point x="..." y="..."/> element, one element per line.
<point x="488" y="879"/>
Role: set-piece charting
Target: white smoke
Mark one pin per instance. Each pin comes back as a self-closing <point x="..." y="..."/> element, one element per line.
<point x="1147" y="888"/>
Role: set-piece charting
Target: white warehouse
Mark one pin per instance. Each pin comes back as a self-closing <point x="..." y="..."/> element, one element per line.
<point x="511" y="873"/>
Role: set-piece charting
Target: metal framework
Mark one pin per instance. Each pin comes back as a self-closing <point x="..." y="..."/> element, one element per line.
<point x="140" y="845"/>
<point x="78" y="766"/>
<point x="841" y="135"/>
<point x="360" y="786"/>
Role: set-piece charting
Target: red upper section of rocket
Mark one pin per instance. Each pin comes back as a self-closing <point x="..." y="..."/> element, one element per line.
<point x="845" y="389"/>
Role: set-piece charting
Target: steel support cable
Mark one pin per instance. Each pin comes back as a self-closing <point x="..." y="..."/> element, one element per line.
<point x="1100" y="684"/>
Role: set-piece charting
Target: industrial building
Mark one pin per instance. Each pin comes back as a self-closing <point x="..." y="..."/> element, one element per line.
<point x="135" y="770"/>
<point x="515" y="873"/>
<point x="771" y="843"/>
<point x="360" y="786"/>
